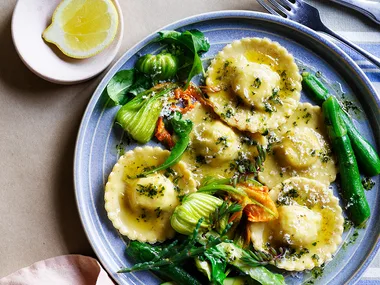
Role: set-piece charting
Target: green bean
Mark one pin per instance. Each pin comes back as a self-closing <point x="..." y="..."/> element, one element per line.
<point x="351" y="186"/>
<point x="366" y="155"/>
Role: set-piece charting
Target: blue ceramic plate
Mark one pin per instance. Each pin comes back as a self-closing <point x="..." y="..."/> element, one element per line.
<point x="96" y="151"/>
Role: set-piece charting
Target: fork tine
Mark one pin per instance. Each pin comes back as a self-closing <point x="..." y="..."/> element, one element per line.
<point x="268" y="8"/>
<point x="286" y="3"/>
<point x="279" y="6"/>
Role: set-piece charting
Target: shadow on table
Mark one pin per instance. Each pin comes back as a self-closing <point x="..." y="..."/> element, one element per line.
<point x="13" y="72"/>
<point x="34" y="91"/>
<point x="70" y="224"/>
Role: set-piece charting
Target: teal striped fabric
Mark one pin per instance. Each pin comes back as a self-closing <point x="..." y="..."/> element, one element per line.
<point x="372" y="71"/>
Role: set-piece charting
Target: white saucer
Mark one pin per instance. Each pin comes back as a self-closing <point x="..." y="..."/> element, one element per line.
<point x="30" y="19"/>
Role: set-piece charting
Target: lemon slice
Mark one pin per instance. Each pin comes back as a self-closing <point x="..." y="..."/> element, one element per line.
<point x="82" y="28"/>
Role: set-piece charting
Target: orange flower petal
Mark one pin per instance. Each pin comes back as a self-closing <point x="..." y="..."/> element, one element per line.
<point x="257" y="213"/>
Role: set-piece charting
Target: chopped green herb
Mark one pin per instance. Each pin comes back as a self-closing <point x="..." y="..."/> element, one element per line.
<point x="303" y="251"/>
<point x="180" y="198"/>
<point x="150" y="190"/>
<point x="318" y="74"/>
<point x="368" y="183"/>
<point x="177" y="189"/>
<point x="349" y="106"/>
<point x="244" y="165"/>
<point x="229" y="113"/>
<point x="143" y="216"/>
<point x="248" y="140"/>
<point x="347" y="225"/>
<point x="352" y="240"/>
<point x="120" y="149"/>
<point x="286" y="197"/>
<point x="307" y="115"/>
<point x="158" y="212"/>
<point x="222" y="140"/>
<point x="272" y="139"/>
<point x="200" y="159"/>
<point x="275" y="98"/>
<point x="176" y="178"/>
<point x="257" y="83"/>
<point x="169" y="172"/>
<point x="268" y="107"/>
<point x="324" y="155"/>
<point x="315" y="256"/>
<point x="317" y="272"/>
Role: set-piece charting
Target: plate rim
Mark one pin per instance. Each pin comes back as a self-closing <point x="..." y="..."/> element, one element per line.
<point x="209" y="16"/>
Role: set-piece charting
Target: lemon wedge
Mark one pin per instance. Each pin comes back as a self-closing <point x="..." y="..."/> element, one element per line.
<point x="82" y="28"/>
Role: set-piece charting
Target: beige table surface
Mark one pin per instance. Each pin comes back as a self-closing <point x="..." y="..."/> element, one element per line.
<point x="39" y="123"/>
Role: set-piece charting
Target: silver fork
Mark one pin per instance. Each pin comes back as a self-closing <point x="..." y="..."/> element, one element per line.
<point x="371" y="9"/>
<point x="307" y="15"/>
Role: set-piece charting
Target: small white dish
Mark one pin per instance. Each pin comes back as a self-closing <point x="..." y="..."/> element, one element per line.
<point x="30" y="19"/>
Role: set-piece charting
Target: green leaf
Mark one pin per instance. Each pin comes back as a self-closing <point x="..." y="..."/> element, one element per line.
<point x="181" y="127"/>
<point x="218" y="262"/>
<point x="201" y="44"/>
<point x="127" y="82"/>
<point x="238" y="257"/>
<point x="173" y="37"/>
<point x="194" y="43"/>
<point x="194" y="40"/>
<point x="196" y="69"/>
<point x="119" y="84"/>
<point x="141" y="84"/>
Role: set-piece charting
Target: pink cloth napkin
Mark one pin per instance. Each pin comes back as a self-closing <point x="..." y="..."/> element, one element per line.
<point x="61" y="270"/>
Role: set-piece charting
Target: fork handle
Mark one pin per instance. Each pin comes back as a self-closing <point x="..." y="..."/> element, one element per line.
<point x="369" y="8"/>
<point x="366" y="54"/>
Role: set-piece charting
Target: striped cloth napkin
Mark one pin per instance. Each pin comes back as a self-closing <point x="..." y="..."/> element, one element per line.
<point x="369" y="41"/>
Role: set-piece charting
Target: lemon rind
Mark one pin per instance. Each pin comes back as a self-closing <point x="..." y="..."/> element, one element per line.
<point x="54" y="27"/>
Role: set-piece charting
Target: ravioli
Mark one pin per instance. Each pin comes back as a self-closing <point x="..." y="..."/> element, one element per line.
<point x="140" y="208"/>
<point x="300" y="147"/>
<point x="253" y="84"/>
<point x="216" y="149"/>
<point x="310" y="224"/>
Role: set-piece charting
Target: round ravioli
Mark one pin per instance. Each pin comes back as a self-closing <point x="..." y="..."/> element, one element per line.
<point x="309" y="227"/>
<point x="300" y="147"/>
<point x="140" y="208"/>
<point x="215" y="148"/>
<point x="253" y="84"/>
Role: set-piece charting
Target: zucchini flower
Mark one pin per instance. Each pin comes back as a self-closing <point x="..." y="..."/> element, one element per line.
<point x="194" y="207"/>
